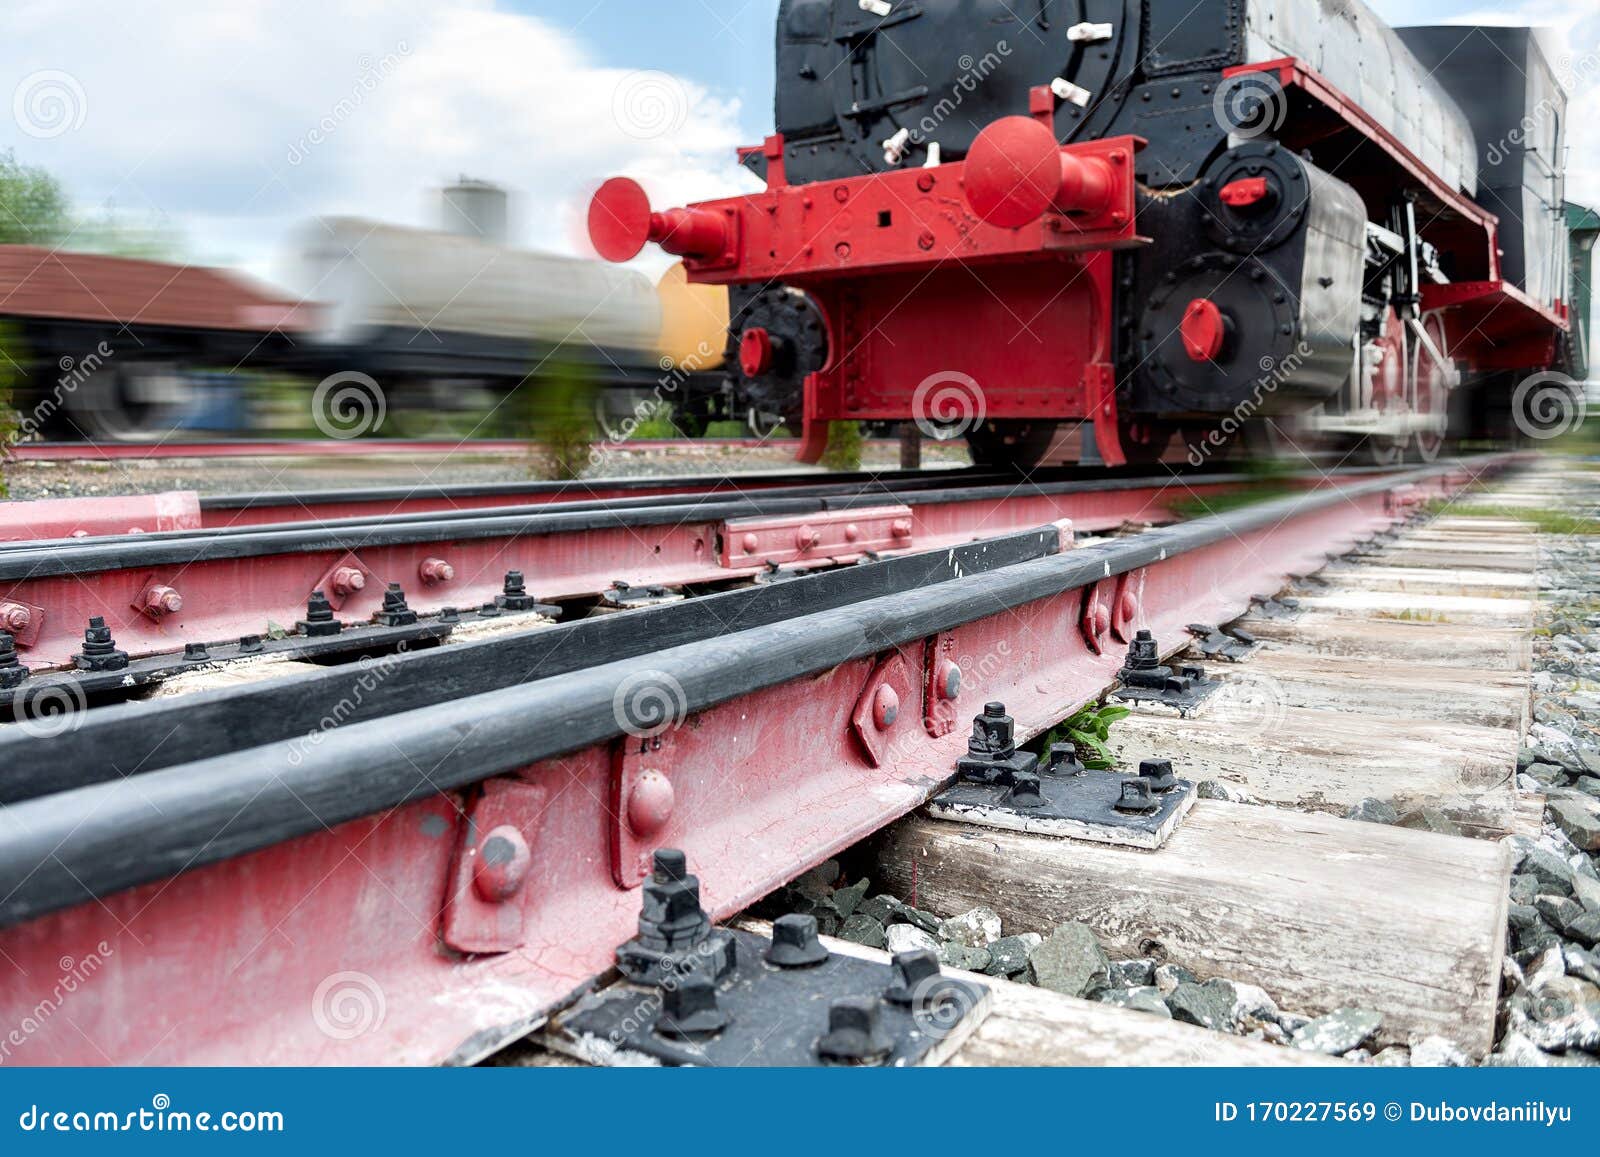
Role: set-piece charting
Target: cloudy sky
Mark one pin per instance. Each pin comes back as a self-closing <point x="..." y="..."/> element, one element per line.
<point x="235" y="122"/>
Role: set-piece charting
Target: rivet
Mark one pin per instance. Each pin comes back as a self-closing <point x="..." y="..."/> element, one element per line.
<point x="885" y="707"/>
<point x="502" y="864"/>
<point x="650" y="803"/>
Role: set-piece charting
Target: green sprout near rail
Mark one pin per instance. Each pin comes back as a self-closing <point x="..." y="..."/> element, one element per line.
<point x="1088" y="730"/>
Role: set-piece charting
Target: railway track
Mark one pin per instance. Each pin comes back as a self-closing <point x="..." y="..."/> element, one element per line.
<point x="454" y="836"/>
<point x="205" y="570"/>
<point x="166" y="450"/>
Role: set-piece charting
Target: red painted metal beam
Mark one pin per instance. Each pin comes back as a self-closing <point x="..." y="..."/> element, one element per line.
<point x="334" y="947"/>
<point x="248" y="592"/>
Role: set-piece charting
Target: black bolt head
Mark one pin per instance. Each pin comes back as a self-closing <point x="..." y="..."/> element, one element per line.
<point x="196" y="652"/>
<point x="1064" y="760"/>
<point x="911" y="969"/>
<point x="12" y="672"/>
<point x="670" y="864"/>
<point x="319" y="621"/>
<point x="1025" y="791"/>
<point x="689" y="1009"/>
<point x="99" y="651"/>
<point x="1137" y="799"/>
<point x="854" y="1036"/>
<point x="795" y="943"/>
<point x="1158" y="774"/>
<point x="994" y="710"/>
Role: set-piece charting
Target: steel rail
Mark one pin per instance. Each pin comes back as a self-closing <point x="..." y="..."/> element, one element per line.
<point x="91" y="841"/>
<point x="271" y="872"/>
<point x="240" y="581"/>
<point x="140" y="738"/>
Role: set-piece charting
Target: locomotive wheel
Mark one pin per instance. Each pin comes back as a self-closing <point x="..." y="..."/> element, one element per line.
<point x="1432" y="382"/>
<point x="1014" y="445"/>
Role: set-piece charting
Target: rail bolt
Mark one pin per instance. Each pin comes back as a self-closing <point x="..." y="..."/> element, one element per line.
<point x="900" y="528"/>
<point x="806" y="537"/>
<point x="885" y="707"/>
<point x="347" y="580"/>
<point x="947" y="679"/>
<point x="751" y="542"/>
<point x="502" y="864"/>
<point x="650" y="803"/>
<point x="15" y="618"/>
<point x="160" y="600"/>
<point x="436" y="570"/>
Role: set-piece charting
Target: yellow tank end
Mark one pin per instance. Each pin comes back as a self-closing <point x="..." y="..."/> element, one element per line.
<point x="694" y="321"/>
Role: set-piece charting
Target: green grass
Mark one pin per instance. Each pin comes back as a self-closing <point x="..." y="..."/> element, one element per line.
<point x="1547" y="521"/>
<point x="728" y="429"/>
<point x="844" y="446"/>
<point x="1088" y="730"/>
<point x="1250" y="494"/>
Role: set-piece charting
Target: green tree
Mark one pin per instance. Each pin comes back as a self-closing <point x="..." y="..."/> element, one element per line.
<point x="33" y="206"/>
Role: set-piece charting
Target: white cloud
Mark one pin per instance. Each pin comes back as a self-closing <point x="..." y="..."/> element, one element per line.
<point x="236" y="122"/>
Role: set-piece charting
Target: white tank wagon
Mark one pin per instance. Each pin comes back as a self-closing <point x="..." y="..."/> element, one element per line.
<point x="380" y="283"/>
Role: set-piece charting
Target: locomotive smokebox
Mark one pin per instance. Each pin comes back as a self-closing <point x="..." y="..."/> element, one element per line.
<point x="1261" y="318"/>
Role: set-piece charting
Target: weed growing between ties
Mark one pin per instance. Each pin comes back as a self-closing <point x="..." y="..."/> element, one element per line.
<point x="1088" y="730"/>
<point x="844" y="446"/>
<point x="559" y="407"/>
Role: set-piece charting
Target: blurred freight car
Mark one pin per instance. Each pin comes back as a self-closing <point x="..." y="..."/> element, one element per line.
<point x="442" y="324"/>
<point x="102" y="347"/>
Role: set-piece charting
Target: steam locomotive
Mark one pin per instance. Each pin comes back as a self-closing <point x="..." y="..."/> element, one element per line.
<point x="1092" y="226"/>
